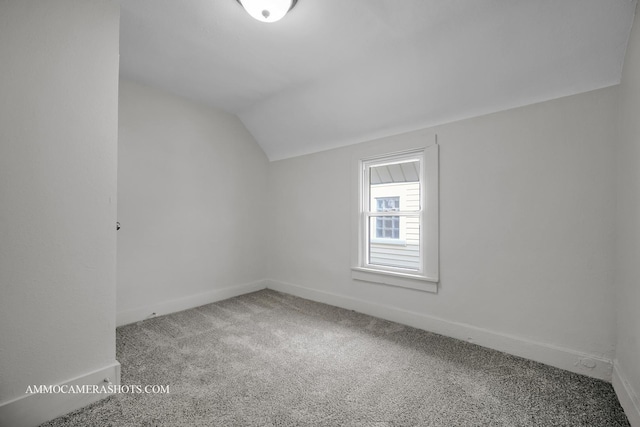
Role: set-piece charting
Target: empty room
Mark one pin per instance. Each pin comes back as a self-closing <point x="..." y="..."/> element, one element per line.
<point x="319" y="213"/>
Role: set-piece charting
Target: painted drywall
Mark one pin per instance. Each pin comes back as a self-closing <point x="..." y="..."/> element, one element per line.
<point x="526" y="223"/>
<point x="628" y="234"/>
<point x="58" y="154"/>
<point x="191" y="195"/>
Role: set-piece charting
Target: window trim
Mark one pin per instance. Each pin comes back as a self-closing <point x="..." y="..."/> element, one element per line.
<point x="427" y="277"/>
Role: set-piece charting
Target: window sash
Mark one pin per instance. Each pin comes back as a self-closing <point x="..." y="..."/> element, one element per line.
<point x="369" y="240"/>
<point x="368" y="210"/>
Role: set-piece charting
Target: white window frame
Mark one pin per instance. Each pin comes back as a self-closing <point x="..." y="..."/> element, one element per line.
<point x="426" y="277"/>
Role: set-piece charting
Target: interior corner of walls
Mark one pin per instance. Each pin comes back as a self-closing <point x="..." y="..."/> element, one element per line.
<point x="628" y="397"/>
<point x="591" y="365"/>
<point x="37" y="406"/>
<point x="185" y="303"/>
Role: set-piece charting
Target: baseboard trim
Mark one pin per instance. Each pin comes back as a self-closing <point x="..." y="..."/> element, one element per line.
<point x="570" y="360"/>
<point x="629" y="399"/>
<point x="34" y="409"/>
<point x="185" y="303"/>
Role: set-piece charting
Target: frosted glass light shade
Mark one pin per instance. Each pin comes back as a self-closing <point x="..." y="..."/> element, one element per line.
<point x="267" y="10"/>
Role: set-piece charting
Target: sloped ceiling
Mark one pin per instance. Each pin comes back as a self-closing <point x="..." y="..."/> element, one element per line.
<point x="337" y="72"/>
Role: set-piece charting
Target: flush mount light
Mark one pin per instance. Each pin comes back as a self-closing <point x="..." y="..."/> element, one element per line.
<point x="267" y="10"/>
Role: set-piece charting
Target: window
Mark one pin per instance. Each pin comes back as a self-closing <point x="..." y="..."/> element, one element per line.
<point x="387" y="227"/>
<point x="399" y="249"/>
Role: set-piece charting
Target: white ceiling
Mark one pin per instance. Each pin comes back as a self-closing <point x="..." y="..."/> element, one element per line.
<point x="337" y="72"/>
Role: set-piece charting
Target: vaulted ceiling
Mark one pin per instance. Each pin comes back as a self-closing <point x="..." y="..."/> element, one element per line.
<point x="337" y="72"/>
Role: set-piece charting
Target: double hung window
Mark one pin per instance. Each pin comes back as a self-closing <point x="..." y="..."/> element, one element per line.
<point x="398" y="219"/>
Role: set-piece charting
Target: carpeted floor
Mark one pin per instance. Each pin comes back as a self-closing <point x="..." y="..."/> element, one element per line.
<point x="271" y="359"/>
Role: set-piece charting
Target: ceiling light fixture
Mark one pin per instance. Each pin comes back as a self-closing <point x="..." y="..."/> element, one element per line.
<point x="267" y="10"/>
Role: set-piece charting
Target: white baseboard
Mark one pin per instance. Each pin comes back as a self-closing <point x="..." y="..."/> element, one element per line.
<point x="34" y="409"/>
<point x="629" y="399"/>
<point x="571" y="360"/>
<point x="185" y="303"/>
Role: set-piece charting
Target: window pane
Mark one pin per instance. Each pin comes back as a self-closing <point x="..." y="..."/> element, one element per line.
<point x="403" y="253"/>
<point x="387" y="227"/>
<point x="395" y="186"/>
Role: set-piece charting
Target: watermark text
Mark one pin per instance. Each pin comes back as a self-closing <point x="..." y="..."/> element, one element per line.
<point x="97" y="389"/>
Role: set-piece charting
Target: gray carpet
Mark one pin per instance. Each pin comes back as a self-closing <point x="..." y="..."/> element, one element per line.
<point x="271" y="359"/>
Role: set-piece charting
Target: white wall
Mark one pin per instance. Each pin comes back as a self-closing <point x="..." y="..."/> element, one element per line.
<point x="526" y="221"/>
<point x="627" y="378"/>
<point x="191" y="193"/>
<point x="58" y="142"/>
<point x="527" y="226"/>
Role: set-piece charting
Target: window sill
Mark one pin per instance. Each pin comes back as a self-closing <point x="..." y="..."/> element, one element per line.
<point x="403" y="280"/>
<point x="395" y="242"/>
